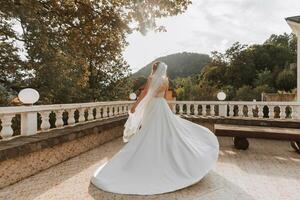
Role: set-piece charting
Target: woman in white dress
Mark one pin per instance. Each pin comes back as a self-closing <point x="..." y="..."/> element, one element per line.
<point x="164" y="152"/>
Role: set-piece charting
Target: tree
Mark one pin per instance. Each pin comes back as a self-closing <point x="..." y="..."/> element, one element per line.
<point x="74" y="48"/>
<point x="10" y="62"/>
<point x="246" y="93"/>
<point x="264" y="77"/>
<point x="256" y="66"/>
<point x="286" y="80"/>
<point x="214" y="74"/>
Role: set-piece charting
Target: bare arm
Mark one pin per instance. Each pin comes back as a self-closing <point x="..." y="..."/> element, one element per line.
<point x="166" y="89"/>
<point x="141" y="96"/>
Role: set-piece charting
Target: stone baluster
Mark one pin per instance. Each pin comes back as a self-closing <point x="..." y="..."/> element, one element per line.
<point x="293" y="114"/>
<point x="114" y="110"/>
<point x="180" y="109"/>
<point x="240" y="110"/>
<point x="98" y="112"/>
<point x="196" y="109"/>
<point x="111" y="111"/>
<point x="71" y="117"/>
<point x="204" y="112"/>
<point x="212" y="110"/>
<point x="59" y="118"/>
<point x="260" y="111"/>
<point x="271" y="112"/>
<point x="120" y="110"/>
<point x="188" y="109"/>
<point x="81" y="114"/>
<point x="250" y="111"/>
<point x="125" y="109"/>
<point x="282" y="112"/>
<point x="45" y="125"/>
<point x="231" y="110"/>
<point x="122" y="107"/>
<point x="104" y="115"/>
<point x="90" y="114"/>
<point x="6" y="131"/>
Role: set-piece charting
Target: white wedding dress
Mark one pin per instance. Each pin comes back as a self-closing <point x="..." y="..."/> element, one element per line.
<point x="167" y="153"/>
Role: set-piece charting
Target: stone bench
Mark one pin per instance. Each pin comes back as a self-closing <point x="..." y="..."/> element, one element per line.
<point x="242" y="128"/>
<point x="242" y="132"/>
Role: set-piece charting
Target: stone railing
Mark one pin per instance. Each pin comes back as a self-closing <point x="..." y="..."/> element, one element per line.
<point x="281" y="110"/>
<point x="35" y="119"/>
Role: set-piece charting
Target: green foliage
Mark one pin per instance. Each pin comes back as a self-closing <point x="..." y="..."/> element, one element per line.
<point x="246" y="93"/>
<point x="243" y="72"/>
<point x="189" y="89"/>
<point x="5" y="95"/>
<point x="138" y="82"/>
<point x="286" y="80"/>
<point x="73" y="49"/>
<point x="264" y="77"/>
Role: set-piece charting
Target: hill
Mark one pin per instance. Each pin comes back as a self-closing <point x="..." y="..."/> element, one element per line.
<point x="179" y="64"/>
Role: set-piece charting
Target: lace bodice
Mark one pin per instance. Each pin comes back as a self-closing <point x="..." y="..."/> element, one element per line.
<point x="161" y="90"/>
<point x="160" y="94"/>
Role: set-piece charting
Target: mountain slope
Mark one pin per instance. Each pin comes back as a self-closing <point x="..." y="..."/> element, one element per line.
<point x="179" y="64"/>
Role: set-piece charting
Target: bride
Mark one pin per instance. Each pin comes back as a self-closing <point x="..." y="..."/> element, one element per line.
<point x="164" y="152"/>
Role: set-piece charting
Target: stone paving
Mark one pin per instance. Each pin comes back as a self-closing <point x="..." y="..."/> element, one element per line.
<point x="268" y="170"/>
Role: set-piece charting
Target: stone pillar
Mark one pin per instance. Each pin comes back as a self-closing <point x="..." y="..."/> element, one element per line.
<point x="223" y="110"/>
<point x="28" y="123"/>
<point x="298" y="66"/>
<point x="294" y="23"/>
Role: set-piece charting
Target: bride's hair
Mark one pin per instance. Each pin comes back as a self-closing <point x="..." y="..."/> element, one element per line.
<point x="154" y="67"/>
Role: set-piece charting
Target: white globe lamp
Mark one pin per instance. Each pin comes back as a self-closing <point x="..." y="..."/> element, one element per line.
<point x="28" y="96"/>
<point x="132" y="96"/>
<point x="221" y="96"/>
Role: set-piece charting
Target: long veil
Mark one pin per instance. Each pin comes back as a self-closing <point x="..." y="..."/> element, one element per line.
<point x="135" y="119"/>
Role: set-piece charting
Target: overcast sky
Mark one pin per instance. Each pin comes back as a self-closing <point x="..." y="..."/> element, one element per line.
<point x="210" y="25"/>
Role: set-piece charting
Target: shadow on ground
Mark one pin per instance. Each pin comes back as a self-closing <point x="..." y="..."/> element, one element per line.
<point x="213" y="186"/>
<point x="272" y="158"/>
<point x="238" y="175"/>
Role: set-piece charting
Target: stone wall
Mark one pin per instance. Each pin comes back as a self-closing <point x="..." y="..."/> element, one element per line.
<point x="24" y="156"/>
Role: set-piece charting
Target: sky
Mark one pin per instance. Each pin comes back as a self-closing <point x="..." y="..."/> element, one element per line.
<point x="212" y="25"/>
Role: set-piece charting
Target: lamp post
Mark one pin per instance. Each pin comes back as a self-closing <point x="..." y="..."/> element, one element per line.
<point x="132" y="96"/>
<point x="222" y="108"/>
<point x="28" y="97"/>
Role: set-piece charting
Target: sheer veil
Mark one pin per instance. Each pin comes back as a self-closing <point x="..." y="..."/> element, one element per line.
<point x="135" y="119"/>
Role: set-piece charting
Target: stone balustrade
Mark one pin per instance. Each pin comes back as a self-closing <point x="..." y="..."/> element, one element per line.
<point x="246" y="109"/>
<point x="35" y="119"/>
<point x="63" y="115"/>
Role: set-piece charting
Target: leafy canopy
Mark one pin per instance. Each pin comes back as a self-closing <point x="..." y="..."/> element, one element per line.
<point x="71" y="51"/>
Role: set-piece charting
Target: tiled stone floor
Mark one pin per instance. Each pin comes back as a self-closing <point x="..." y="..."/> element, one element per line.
<point x="268" y="170"/>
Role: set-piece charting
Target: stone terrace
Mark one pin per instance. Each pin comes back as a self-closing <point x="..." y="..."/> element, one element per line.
<point x="269" y="169"/>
